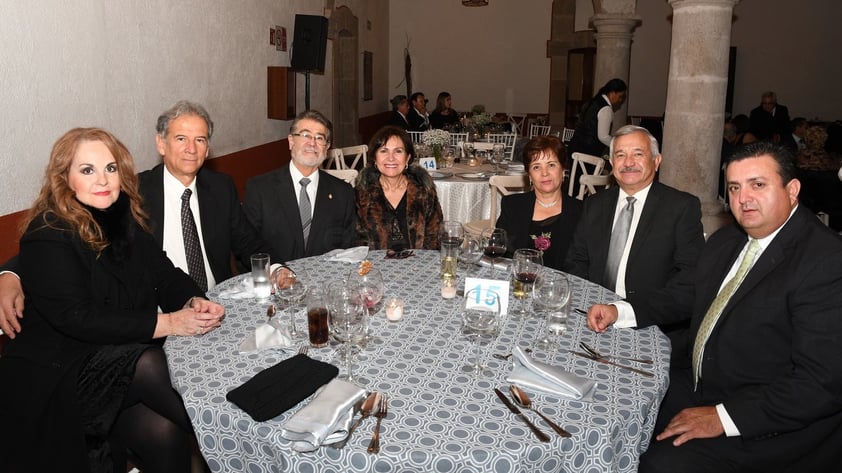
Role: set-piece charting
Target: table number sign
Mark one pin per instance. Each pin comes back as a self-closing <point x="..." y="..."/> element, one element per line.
<point x="489" y="289"/>
<point x="428" y="163"/>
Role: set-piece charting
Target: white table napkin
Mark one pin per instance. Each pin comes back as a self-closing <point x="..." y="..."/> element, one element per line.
<point x="242" y="290"/>
<point x="326" y="419"/>
<point x="351" y="255"/>
<point x="530" y="373"/>
<point x="267" y="335"/>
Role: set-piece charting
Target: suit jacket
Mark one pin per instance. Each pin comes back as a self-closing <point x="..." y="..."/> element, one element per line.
<point x="399" y="120"/>
<point x="225" y="230"/>
<point x="764" y="125"/>
<point x="773" y="357"/>
<point x="272" y="207"/>
<point x="76" y="302"/>
<point x="516" y="218"/>
<point x="417" y="122"/>
<point x="668" y="239"/>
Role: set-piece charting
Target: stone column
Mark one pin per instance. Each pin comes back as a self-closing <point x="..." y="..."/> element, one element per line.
<point x="613" y="48"/>
<point x="698" y="79"/>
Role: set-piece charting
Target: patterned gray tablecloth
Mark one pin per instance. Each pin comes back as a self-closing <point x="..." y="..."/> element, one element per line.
<point x="440" y="419"/>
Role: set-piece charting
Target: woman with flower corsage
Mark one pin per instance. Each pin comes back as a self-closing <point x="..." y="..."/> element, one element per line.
<point x="397" y="204"/>
<point x="543" y="219"/>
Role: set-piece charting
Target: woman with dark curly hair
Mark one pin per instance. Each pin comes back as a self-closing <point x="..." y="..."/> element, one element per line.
<point x="86" y="380"/>
<point x="397" y="204"/>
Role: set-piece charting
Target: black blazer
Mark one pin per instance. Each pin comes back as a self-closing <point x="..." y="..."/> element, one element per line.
<point x="75" y="303"/>
<point x="516" y="216"/>
<point x="773" y="357"/>
<point x="224" y="226"/>
<point x="272" y="207"/>
<point x="667" y="242"/>
<point x="416" y="120"/>
<point x="399" y="120"/>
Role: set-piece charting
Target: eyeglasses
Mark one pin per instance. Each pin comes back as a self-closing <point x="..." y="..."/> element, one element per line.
<point x="321" y="140"/>
<point x="392" y="254"/>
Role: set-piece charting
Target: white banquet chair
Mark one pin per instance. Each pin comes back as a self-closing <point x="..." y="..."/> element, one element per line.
<point x="591" y="179"/>
<point x="334" y="159"/>
<point x="567" y="135"/>
<point x="538" y="130"/>
<point x="337" y="158"/>
<point x="503" y="185"/>
<point x="347" y="175"/>
<point x="416" y="137"/>
<point x="456" y="139"/>
<point x="517" y="120"/>
<point x="507" y="139"/>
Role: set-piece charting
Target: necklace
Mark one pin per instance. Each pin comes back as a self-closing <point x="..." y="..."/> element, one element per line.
<point x="547" y="205"/>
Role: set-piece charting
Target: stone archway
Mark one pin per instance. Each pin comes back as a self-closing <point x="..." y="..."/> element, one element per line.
<point x="343" y="31"/>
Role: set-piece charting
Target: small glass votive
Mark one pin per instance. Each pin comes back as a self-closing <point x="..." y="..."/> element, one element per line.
<point x="448" y="288"/>
<point x="394" y="309"/>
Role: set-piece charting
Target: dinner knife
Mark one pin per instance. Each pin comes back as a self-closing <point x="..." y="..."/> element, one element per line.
<point x="603" y="360"/>
<point x="535" y="430"/>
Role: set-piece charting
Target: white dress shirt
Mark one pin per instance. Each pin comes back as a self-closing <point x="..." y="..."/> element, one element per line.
<point x="173" y="243"/>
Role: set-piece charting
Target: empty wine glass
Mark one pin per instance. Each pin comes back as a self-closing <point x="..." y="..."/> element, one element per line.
<point x="369" y="288"/>
<point x="526" y="264"/>
<point x="471" y="253"/>
<point x="551" y="294"/>
<point x="494" y="245"/>
<point x="346" y="324"/>
<point x="338" y="293"/>
<point x="480" y="320"/>
<point x="290" y="288"/>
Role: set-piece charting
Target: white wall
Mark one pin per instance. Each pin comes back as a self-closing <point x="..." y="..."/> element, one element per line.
<point x="493" y="55"/>
<point x="119" y="63"/>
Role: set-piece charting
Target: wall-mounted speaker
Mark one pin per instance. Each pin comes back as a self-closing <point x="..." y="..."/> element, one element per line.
<point x="309" y="43"/>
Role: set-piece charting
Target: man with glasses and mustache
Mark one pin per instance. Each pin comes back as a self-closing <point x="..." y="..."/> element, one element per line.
<point x="299" y="209"/>
<point x="639" y="235"/>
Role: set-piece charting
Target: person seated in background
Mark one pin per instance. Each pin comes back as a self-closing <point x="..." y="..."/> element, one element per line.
<point x="299" y="208"/>
<point x="400" y="111"/>
<point x="443" y="116"/>
<point x="419" y="118"/>
<point x="397" y="204"/>
<point x="794" y="140"/>
<point x="769" y="120"/>
<point x="212" y="208"/>
<point x="545" y="218"/>
<point x="82" y="380"/>
<point x="735" y="135"/>
<point x="640" y="235"/>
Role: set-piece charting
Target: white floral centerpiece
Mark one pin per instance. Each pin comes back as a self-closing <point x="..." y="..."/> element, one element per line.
<point x="481" y="119"/>
<point x="437" y="140"/>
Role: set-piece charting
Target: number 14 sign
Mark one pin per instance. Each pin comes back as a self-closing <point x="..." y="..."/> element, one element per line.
<point x="487" y="293"/>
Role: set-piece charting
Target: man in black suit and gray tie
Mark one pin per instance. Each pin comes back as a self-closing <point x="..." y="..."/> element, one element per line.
<point x="300" y="209"/>
<point x="640" y="235"/>
<point x="762" y="387"/>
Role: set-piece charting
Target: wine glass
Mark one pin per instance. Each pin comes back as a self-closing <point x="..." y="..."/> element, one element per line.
<point x="498" y="151"/>
<point x="526" y="264"/>
<point x="451" y="235"/>
<point x="290" y="288"/>
<point x="551" y="294"/>
<point x="494" y="244"/>
<point x="480" y="319"/>
<point x="369" y="288"/>
<point x="471" y="253"/>
<point x="346" y="324"/>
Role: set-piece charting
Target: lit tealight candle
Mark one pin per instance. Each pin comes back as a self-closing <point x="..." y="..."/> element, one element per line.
<point x="394" y="309"/>
<point x="448" y="289"/>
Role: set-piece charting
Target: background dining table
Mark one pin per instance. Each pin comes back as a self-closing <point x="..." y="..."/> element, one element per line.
<point x="465" y="199"/>
<point x="440" y="418"/>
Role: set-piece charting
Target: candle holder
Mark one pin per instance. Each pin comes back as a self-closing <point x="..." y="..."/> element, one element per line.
<point x="448" y="288"/>
<point x="394" y="309"/>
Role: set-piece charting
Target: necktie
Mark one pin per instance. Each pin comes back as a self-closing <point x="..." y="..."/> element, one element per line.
<point x="192" y="247"/>
<point x="304" y="208"/>
<point x="618" y="242"/>
<point x="719" y="303"/>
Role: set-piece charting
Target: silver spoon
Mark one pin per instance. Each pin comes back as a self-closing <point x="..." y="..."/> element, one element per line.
<point x="503" y="357"/>
<point x="520" y="396"/>
<point x="597" y="354"/>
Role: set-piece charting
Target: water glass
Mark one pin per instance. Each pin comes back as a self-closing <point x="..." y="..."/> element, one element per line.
<point x="260" y="275"/>
<point x="317" y="318"/>
<point x="480" y="321"/>
<point x="551" y="296"/>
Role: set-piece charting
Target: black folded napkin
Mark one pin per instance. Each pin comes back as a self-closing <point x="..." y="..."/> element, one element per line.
<point x="274" y="390"/>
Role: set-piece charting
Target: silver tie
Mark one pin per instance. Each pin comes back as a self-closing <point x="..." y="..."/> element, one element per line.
<point x="619" y="235"/>
<point x="304" y="208"/>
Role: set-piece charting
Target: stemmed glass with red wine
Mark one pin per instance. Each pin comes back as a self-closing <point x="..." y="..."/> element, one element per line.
<point x="494" y="242"/>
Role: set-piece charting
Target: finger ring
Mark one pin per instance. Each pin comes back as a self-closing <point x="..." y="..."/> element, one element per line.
<point x="198" y="331"/>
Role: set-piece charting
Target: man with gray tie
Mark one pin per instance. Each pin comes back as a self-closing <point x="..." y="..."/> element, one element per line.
<point x="639" y="235"/>
<point x="299" y="209"/>
<point x="762" y="387"/>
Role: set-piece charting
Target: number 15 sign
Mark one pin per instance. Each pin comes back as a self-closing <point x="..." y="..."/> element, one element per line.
<point x="486" y="294"/>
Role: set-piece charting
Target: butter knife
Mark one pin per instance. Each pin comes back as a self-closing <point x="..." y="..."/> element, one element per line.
<point x="535" y="430"/>
<point x="608" y="362"/>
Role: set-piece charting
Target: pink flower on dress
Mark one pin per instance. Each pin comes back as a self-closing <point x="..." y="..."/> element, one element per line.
<point x="543" y="242"/>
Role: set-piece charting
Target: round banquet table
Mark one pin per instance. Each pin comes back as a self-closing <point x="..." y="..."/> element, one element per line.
<point x="465" y="200"/>
<point x="440" y="418"/>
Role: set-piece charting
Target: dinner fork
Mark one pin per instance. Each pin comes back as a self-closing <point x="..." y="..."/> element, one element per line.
<point x="302" y="350"/>
<point x="597" y="354"/>
<point x="374" y="445"/>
